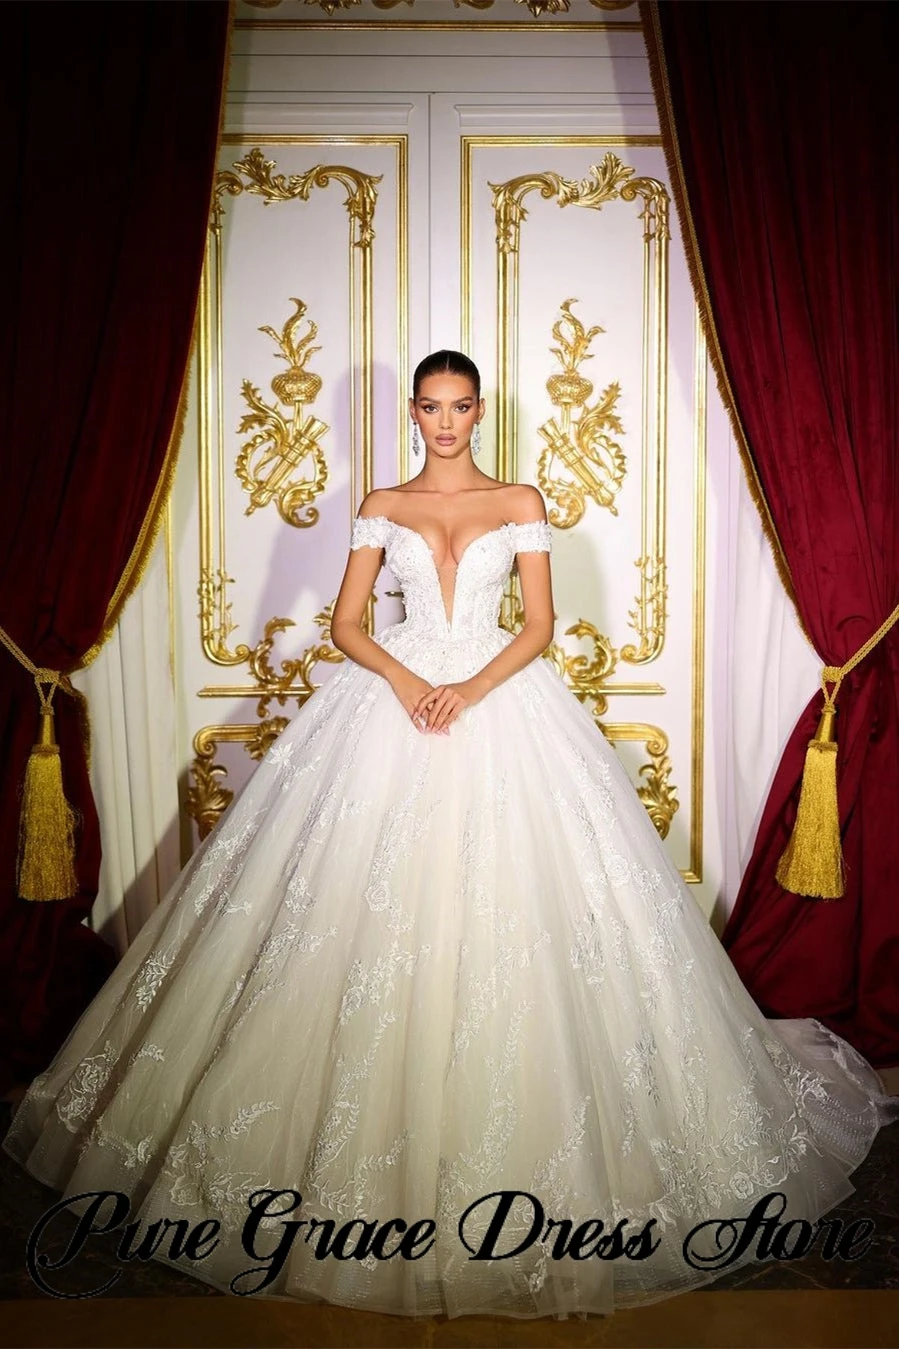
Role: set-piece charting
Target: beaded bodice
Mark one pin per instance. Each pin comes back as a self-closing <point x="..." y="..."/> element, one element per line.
<point x="481" y="572"/>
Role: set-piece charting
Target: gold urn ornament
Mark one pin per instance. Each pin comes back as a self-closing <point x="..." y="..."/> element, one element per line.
<point x="283" y="444"/>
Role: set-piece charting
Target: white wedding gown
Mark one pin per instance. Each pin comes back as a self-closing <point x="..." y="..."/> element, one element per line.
<point x="409" y="971"/>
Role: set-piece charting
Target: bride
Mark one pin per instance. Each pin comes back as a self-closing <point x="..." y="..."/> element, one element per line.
<point x="430" y="1023"/>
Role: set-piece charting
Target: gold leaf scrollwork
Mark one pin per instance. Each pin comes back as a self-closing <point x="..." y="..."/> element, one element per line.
<point x="605" y="181"/>
<point x="208" y="797"/>
<point x="216" y="623"/>
<point x="540" y="7"/>
<point x="585" y="675"/>
<point x="264" y="736"/>
<point x="295" y="679"/>
<point x="657" y="793"/>
<point x="648" y="618"/>
<point x="282" y="443"/>
<point x="260" y="179"/>
<point x="595" y="462"/>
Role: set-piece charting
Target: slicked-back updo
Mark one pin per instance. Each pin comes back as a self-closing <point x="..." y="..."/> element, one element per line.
<point x="446" y="363"/>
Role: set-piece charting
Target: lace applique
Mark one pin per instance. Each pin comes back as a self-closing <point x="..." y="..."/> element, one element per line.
<point x="198" y="1180"/>
<point x="369" y="532"/>
<point x="133" y="1155"/>
<point x="404" y="825"/>
<point x="338" y="1127"/>
<point x="153" y="971"/>
<point x="365" y="987"/>
<point x="149" y="1051"/>
<point x="587" y="951"/>
<point x="471" y="1171"/>
<point x="533" y="537"/>
<point x="299" y="898"/>
<point x="547" y="1182"/>
<point x="638" y="1060"/>
<point x="222" y="862"/>
<point x="291" y="940"/>
<point x="485" y="991"/>
<point x="79" y="1097"/>
<point x="477" y="880"/>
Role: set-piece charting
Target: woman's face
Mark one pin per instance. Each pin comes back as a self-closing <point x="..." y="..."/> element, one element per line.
<point x="446" y="410"/>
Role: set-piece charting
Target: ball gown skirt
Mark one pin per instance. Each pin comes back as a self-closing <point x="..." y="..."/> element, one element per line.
<point x="408" y="972"/>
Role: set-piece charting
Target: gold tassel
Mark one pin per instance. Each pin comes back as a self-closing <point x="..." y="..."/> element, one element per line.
<point x="46" y="863"/>
<point x="812" y="862"/>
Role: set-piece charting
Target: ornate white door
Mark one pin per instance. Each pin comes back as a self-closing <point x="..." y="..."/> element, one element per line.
<point x="388" y="186"/>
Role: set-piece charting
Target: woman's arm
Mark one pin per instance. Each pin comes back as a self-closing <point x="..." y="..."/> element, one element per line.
<point x="539" y="623"/>
<point x="347" y="633"/>
<point x="348" y="636"/>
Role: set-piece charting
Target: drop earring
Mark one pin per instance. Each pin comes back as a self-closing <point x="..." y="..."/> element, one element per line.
<point x="416" y="439"/>
<point x="476" y="438"/>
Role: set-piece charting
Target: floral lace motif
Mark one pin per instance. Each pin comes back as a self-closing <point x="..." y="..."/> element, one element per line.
<point x="406" y="971"/>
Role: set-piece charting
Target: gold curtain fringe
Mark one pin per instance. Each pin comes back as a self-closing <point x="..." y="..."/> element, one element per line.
<point x="812" y="862"/>
<point x="662" y="93"/>
<point x="45" y="865"/>
<point x="46" y="861"/>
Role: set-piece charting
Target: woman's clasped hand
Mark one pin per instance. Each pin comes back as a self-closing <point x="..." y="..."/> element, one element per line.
<point x="435" y="707"/>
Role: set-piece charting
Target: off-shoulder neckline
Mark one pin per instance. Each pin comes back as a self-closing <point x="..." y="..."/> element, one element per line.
<point x="408" y="529"/>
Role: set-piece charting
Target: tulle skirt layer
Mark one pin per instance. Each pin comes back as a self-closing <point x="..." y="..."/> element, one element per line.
<point x="453" y="981"/>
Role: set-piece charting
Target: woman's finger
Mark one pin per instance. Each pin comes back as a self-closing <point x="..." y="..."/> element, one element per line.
<point x="421" y="704"/>
<point x="438" y="706"/>
<point x="452" y="701"/>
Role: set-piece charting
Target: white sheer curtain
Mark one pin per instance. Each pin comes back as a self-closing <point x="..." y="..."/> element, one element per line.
<point x="773" y="671"/>
<point x="130" y="690"/>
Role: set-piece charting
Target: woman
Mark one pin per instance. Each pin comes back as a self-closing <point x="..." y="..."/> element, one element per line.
<point x="435" y="976"/>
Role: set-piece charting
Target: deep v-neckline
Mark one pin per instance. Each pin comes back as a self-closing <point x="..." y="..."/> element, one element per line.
<point x="416" y="533"/>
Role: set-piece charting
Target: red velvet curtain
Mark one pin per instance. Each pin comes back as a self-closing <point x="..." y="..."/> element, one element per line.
<point x="110" y="114"/>
<point x="785" y="122"/>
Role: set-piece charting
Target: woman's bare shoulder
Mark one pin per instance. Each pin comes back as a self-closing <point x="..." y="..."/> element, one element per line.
<point x="378" y="502"/>
<point x="523" y="503"/>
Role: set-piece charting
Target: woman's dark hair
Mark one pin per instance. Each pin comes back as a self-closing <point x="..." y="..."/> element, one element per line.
<point x="446" y="362"/>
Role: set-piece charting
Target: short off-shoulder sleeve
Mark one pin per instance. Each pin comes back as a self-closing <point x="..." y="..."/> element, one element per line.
<point x="369" y="531"/>
<point x="533" y="537"/>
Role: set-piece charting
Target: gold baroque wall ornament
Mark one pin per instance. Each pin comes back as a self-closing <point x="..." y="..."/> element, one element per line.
<point x="607" y="181"/>
<point x="604" y="183"/>
<point x="295" y="679"/>
<point x="262" y="181"/>
<point x="648" y="618"/>
<point x="595" y="462"/>
<point x="284" y="442"/>
<point x="216" y="623"/>
<point x="256" y="175"/>
<point x="208" y="798"/>
<point x="658" y="795"/>
<point x="585" y="675"/>
<point x="541" y="7"/>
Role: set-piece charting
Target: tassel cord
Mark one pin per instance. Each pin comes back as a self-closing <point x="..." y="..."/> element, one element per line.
<point x="812" y="862"/>
<point x="46" y="855"/>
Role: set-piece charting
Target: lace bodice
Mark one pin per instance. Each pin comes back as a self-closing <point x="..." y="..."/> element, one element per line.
<point x="480" y="575"/>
